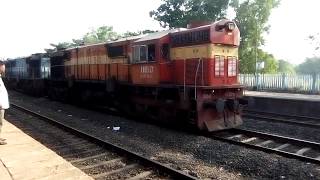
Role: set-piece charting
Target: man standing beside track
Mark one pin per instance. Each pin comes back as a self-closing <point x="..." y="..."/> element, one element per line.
<point x="4" y="100"/>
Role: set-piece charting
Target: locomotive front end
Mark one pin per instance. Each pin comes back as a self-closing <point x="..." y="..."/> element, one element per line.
<point x="220" y="105"/>
<point x="207" y="65"/>
<point x="219" y="109"/>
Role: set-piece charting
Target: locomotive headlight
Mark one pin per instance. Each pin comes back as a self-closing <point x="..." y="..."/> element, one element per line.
<point x="230" y="26"/>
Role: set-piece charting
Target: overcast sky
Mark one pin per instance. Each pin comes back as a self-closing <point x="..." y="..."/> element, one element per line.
<point x="28" y="26"/>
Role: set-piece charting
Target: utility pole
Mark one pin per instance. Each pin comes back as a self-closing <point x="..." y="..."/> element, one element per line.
<point x="256" y="50"/>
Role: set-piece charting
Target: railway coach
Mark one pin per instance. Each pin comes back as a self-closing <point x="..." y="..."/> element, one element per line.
<point x="181" y="76"/>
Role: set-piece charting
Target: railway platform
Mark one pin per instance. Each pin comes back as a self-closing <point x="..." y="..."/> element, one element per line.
<point x="284" y="103"/>
<point x="292" y="96"/>
<point x="25" y="158"/>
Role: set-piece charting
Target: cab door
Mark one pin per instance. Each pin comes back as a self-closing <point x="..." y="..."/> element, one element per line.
<point x="145" y="67"/>
<point x="165" y="65"/>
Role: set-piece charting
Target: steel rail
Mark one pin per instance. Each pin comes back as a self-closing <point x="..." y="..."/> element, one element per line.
<point x="142" y="159"/>
<point x="305" y="123"/>
<point x="311" y="118"/>
<point x="274" y="138"/>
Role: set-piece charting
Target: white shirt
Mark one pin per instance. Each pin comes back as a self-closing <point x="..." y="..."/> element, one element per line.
<point x="4" y="100"/>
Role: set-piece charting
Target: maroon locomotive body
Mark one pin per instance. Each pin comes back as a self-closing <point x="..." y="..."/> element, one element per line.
<point x="183" y="76"/>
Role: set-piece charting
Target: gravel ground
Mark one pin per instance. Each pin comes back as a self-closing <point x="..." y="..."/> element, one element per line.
<point x="200" y="156"/>
<point x="41" y="131"/>
<point x="282" y="129"/>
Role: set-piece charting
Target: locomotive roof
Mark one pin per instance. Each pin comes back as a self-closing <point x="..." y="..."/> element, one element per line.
<point x="158" y="35"/>
<point x="18" y="58"/>
<point x="127" y="38"/>
<point x="109" y="42"/>
<point x="87" y="45"/>
<point x="192" y="29"/>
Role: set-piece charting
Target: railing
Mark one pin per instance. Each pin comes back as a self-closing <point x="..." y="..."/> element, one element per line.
<point x="300" y="83"/>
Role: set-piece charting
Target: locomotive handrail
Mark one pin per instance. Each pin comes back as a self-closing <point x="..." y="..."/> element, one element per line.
<point x="196" y="77"/>
<point x="184" y="79"/>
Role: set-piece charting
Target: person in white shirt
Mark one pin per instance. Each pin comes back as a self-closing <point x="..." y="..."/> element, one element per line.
<point x="4" y="100"/>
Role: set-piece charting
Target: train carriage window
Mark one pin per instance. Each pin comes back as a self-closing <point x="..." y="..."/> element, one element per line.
<point x="165" y="51"/>
<point x="219" y="66"/>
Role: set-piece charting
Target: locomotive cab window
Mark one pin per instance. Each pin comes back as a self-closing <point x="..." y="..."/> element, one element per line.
<point x="144" y="53"/>
<point x="140" y="53"/>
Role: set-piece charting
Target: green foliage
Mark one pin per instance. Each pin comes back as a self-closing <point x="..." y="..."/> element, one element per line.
<point x="129" y="33"/>
<point x="249" y="65"/>
<point x="286" y="67"/>
<point x="77" y="42"/>
<point x="178" y="13"/>
<point x="62" y="45"/>
<point x="309" y="66"/>
<point x="59" y="46"/>
<point x="270" y="63"/>
<point x="101" y="34"/>
<point x="252" y="18"/>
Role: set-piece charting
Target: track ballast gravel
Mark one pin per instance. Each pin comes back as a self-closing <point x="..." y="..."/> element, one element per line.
<point x="195" y="154"/>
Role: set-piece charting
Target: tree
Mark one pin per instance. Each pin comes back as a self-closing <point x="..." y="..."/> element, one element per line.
<point x="270" y="63"/>
<point x="59" y="46"/>
<point x="77" y="42"/>
<point x="178" y="13"/>
<point x="129" y="33"/>
<point x="309" y="66"/>
<point x="101" y="34"/>
<point x="285" y="67"/>
<point x="252" y="17"/>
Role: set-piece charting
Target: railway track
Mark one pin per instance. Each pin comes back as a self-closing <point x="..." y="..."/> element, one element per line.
<point x="305" y="121"/>
<point x="141" y="167"/>
<point x="94" y="156"/>
<point x="289" y="147"/>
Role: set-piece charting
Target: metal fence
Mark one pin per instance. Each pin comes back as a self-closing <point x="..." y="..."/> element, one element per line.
<point x="282" y="82"/>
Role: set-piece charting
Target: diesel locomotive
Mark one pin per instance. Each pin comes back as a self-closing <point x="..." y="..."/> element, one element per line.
<point x="184" y="76"/>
